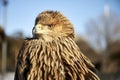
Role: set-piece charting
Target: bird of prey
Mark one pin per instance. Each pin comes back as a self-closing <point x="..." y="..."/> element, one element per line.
<point x="52" y="54"/>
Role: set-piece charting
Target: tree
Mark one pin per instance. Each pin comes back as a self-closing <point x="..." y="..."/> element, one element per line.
<point x="102" y="31"/>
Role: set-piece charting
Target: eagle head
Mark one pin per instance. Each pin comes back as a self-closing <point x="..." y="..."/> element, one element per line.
<point x="50" y="25"/>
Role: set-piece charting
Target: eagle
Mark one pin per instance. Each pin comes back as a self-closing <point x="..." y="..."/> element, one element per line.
<point x="52" y="54"/>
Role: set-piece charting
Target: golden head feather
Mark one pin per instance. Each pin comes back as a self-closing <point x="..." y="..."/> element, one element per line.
<point x="52" y="24"/>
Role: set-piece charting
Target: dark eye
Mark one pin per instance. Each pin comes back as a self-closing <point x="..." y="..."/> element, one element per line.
<point x="50" y="26"/>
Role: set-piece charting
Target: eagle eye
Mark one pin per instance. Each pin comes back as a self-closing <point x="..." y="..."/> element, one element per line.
<point x="50" y="25"/>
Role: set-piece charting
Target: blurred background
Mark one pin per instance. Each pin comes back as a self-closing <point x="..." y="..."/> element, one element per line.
<point x="96" y="23"/>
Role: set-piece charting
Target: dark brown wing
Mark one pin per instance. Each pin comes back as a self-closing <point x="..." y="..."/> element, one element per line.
<point x="23" y="63"/>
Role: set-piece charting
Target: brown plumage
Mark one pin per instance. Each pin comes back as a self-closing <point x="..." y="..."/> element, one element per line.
<point x="52" y="53"/>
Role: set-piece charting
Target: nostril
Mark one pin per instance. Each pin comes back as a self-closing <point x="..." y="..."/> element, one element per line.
<point x="38" y="26"/>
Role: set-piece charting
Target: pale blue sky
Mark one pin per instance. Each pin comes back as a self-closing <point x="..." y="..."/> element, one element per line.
<point x="22" y="13"/>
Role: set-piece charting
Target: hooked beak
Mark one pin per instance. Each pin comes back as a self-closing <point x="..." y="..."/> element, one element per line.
<point x="38" y="29"/>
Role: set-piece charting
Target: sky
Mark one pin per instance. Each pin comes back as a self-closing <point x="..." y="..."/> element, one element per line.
<point x="21" y="14"/>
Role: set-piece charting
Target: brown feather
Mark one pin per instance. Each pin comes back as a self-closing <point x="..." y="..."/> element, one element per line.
<point x="60" y="59"/>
